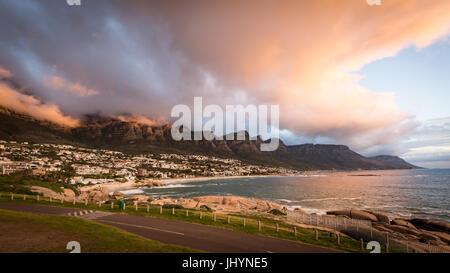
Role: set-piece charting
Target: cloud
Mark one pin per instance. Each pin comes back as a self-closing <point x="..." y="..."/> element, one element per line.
<point x="429" y="145"/>
<point x="4" y="73"/>
<point x="27" y="104"/>
<point x="147" y="56"/>
<point x="77" y="89"/>
<point x="140" y="119"/>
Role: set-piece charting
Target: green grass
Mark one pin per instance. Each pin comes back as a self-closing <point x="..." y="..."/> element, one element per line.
<point x="304" y="235"/>
<point x="26" y="232"/>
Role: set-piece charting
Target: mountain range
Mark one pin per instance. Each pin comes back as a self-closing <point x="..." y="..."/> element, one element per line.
<point x="130" y="136"/>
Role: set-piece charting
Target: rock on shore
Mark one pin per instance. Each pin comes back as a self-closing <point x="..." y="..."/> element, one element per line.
<point x="422" y="230"/>
<point x="67" y="194"/>
<point x="355" y="214"/>
<point x="222" y="203"/>
<point x="94" y="196"/>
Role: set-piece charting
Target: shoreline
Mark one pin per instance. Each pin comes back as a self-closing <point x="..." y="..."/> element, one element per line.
<point x="116" y="186"/>
<point x="206" y="178"/>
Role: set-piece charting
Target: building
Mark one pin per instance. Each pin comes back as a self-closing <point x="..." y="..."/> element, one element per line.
<point x="142" y="172"/>
<point x="7" y="168"/>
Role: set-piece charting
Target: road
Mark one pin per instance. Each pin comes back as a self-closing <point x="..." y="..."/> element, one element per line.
<point x="197" y="236"/>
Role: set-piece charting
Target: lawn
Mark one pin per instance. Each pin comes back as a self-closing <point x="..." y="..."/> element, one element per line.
<point x="24" y="232"/>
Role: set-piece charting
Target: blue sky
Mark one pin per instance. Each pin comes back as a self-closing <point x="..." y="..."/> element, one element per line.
<point x="420" y="79"/>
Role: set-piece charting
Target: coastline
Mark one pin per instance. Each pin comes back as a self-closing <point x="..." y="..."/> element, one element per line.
<point x="116" y="186"/>
<point x="129" y="185"/>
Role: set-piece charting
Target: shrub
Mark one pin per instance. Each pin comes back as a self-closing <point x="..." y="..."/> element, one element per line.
<point x="170" y="206"/>
<point x="277" y="212"/>
<point x="206" y="208"/>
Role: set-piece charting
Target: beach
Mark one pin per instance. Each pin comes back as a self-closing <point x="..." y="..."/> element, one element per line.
<point x="117" y="186"/>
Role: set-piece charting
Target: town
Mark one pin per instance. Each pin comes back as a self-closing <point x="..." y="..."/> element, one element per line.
<point x="84" y="166"/>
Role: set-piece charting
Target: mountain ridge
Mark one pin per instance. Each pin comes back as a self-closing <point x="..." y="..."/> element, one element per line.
<point x="134" y="137"/>
<point x="394" y="160"/>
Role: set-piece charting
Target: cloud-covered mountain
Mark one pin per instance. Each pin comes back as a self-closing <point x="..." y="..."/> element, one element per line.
<point x="134" y="137"/>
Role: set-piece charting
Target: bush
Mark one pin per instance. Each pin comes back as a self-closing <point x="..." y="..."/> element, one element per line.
<point x="18" y="189"/>
<point x="277" y="212"/>
<point x="206" y="208"/>
<point x="174" y="206"/>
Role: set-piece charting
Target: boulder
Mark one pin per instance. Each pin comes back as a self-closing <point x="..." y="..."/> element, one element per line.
<point x="339" y="213"/>
<point x="362" y="215"/>
<point x="150" y="183"/>
<point x="163" y="201"/>
<point x="98" y="196"/>
<point x="383" y="218"/>
<point x="427" y="236"/>
<point x="405" y="230"/>
<point x="402" y="222"/>
<point x="355" y="214"/>
<point x="156" y="184"/>
<point x="431" y="226"/>
<point x="230" y="203"/>
<point x="83" y="196"/>
<point x="383" y="228"/>
<point x="445" y="237"/>
<point x="140" y="198"/>
<point x="118" y="195"/>
<point x="298" y="210"/>
<point x="69" y="192"/>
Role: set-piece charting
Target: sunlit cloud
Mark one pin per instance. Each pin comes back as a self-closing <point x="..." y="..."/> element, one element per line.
<point x="27" y="104"/>
<point x="5" y="73"/>
<point x="77" y="89"/>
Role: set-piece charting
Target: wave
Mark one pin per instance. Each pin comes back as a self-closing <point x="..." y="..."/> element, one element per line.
<point x="330" y="198"/>
<point x="286" y="200"/>
<point x="308" y="210"/>
<point x="133" y="191"/>
<point x="170" y="186"/>
<point x="382" y="207"/>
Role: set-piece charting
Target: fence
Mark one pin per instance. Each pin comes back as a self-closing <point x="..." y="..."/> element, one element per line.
<point x="363" y="229"/>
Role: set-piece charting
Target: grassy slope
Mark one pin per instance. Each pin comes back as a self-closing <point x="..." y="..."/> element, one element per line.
<point x="25" y="232"/>
<point x="22" y="186"/>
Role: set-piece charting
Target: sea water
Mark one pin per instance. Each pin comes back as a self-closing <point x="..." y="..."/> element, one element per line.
<point x="421" y="193"/>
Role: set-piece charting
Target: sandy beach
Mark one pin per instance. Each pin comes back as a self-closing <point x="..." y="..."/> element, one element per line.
<point x="117" y="186"/>
<point x="113" y="186"/>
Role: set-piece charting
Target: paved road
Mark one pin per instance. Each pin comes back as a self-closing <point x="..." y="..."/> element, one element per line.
<point x="197" y="236"/>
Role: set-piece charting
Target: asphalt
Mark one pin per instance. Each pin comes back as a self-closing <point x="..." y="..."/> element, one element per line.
<point x="197" y="236"/>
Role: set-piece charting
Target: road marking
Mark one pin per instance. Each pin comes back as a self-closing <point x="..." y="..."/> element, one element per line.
<point x="267" y="251"/>
<point x="144" y="227"/>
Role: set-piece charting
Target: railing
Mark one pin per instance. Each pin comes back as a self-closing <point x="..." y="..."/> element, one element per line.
<point x="363" y="229"/>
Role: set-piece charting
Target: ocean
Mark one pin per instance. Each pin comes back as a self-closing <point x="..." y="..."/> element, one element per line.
<point x="421" y="193"/>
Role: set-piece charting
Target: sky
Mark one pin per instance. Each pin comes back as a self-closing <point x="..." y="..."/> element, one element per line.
<point x="374" y="78"/>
